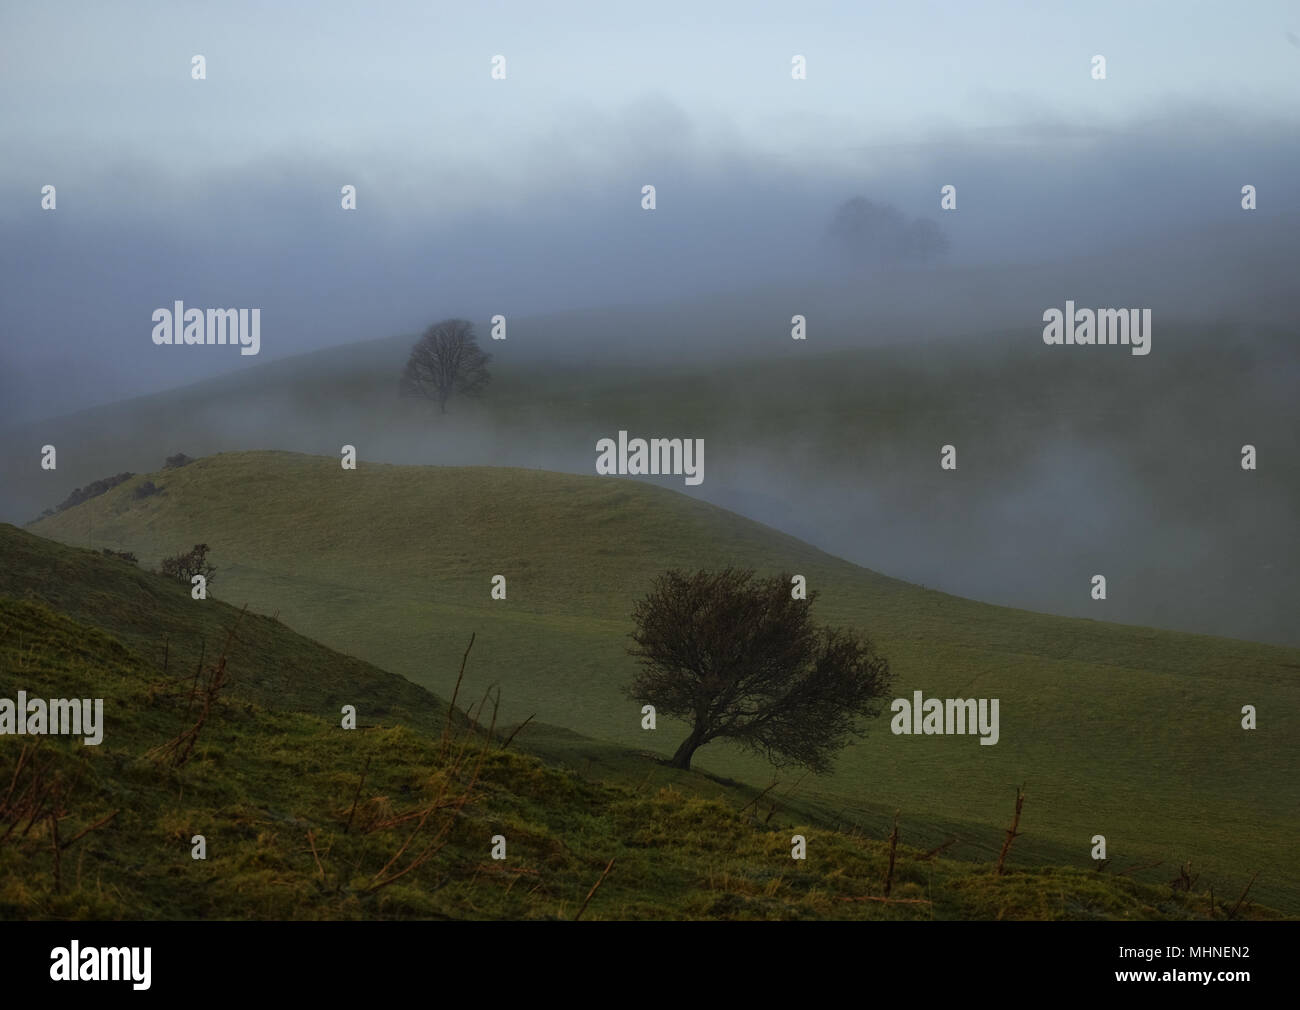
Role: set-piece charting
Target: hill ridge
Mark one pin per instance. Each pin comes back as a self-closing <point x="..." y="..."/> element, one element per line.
<point x="1088" y="708"/>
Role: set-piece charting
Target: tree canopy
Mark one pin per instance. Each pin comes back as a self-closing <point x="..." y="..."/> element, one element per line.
<point x="740" y="658"/>
<point x="874" y="232"/>
<point x="446" y="360"/>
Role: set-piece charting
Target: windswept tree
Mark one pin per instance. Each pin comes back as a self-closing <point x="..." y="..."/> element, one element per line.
<point x="446" y="361"/>
<point x="740" y="658"/>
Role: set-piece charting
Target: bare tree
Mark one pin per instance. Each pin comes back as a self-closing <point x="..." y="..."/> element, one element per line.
<point x="741" y="659"/>
<point x="446" y="360"/>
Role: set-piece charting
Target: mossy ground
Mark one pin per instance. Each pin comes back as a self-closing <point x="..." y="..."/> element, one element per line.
<point x="273" y="786"/>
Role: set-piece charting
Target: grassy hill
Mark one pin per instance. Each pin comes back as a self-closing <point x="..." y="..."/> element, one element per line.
<point x="303" y="819"/>
<point x="1128" y="732"/>
<point x="1070" y="462"/>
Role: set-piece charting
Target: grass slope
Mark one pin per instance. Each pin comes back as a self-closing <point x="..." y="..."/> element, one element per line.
<point x="1071" y="462"/>
<point x="294" y="830"/>
<point x="1129" y="732"/>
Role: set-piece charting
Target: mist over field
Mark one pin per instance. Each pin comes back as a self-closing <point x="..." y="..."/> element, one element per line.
<point x="1072" y="461"/>
<point x="1066" y="467"/>
<point x="362" y="608"/>
<point x="1130" y="216"/>
<point x="522" y="196"/>
<point x="676" y="323"/>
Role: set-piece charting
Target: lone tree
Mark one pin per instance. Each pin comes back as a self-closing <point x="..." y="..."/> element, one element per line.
<point x="870" y="232"/>
<point x="444" y="361"/>
<point x="740" y="658"/>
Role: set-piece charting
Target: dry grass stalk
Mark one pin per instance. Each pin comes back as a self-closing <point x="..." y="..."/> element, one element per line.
<point x="608" y="866"/>
<point x="360" y="782"/>
<point x="1011" y="831"/>
<point x="514" y="731"/>
<point x="43" y="798"/>
<point x="180" y="747"/>
<point x="451" y="707"/>
<point x="939" y="849"/>
<point x="893" y="850"/>
<point x="389" y="872"/>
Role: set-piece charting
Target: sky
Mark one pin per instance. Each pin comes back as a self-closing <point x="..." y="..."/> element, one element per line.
<point x="523" y="195"/>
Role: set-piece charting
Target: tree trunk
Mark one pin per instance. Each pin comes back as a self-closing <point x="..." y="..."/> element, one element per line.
<point x="682" y="759"/>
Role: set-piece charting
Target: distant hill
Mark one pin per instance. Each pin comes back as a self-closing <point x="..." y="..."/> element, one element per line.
<point x="1072" y="461"/>
<point x="1124" y="731"/>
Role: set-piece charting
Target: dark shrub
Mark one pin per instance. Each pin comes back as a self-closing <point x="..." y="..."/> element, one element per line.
<point x="93" y="490"/>
<point x="183" y="567"/>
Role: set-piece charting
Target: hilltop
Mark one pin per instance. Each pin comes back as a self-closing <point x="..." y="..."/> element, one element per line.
<point x="1125" y="731"/>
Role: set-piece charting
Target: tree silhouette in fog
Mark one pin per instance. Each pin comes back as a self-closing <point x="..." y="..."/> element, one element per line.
<point x="869" y="232"/>
<point x="446" y="360"/>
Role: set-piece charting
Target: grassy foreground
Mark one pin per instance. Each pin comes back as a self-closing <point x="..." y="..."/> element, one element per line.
<point x="1129" y="732"/>
<point x="304" y="819"/>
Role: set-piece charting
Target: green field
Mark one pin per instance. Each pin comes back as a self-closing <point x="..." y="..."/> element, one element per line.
<point x="1129" y="732"/>
<point x="301" y="817"/>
